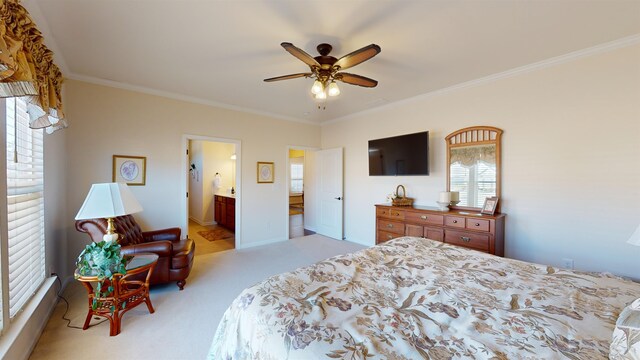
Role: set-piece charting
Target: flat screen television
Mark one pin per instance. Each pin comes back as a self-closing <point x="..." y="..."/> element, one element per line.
<point x="400" y="155"/>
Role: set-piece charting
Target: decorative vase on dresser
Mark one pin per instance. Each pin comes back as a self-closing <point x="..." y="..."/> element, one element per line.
<point x="465" y="228"/>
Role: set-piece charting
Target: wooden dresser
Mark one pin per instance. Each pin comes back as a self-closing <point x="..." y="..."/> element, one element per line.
<point x="458" y="227"/>
<point x="225" y="211"/>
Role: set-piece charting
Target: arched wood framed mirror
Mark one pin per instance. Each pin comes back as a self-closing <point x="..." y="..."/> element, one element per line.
<point x="473" y="165"/>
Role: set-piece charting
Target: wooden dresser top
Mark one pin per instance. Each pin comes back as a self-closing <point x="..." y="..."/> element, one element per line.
<point x="437" y="210"/>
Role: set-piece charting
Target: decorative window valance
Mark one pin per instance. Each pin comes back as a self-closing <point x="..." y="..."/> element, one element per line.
<point x="27" y="68"/>
<point x="469" y="156"/>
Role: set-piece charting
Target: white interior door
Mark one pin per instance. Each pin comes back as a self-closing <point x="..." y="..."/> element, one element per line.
<point x="310" y="191"/>
<point x="330" y="194"/>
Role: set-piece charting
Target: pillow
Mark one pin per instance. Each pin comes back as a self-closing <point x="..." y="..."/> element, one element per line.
<point x="625" y="344"/>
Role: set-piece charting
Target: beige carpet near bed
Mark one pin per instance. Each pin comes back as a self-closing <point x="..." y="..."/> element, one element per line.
<point x="184" y="322"/>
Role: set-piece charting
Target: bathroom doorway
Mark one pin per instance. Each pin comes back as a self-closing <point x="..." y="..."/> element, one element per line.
<point x="212" y="194"/>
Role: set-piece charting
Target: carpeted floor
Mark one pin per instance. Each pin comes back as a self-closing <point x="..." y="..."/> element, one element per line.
<point x="185" y="321"/>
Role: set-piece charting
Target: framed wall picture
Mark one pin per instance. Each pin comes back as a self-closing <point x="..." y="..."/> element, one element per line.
<point x="265" y="172"/>
<point x="129" y="169"/>
<point x="490" y="205"/>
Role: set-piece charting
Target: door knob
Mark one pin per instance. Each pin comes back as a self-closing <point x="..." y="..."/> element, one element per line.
<point x="338" y="198"/>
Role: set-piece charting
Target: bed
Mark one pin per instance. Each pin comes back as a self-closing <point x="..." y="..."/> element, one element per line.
<point x="413" y="298"/>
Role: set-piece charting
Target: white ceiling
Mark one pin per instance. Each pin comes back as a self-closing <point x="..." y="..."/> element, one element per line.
<point x="218" y="52"/>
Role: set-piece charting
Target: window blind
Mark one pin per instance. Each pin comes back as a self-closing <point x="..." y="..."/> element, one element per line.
<point x="297" y="177"/>
<point x="25" y="206"/>
<point x="475" y="183"/>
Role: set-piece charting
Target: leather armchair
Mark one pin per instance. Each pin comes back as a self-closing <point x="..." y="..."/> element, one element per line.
<point x="175" y="255"/>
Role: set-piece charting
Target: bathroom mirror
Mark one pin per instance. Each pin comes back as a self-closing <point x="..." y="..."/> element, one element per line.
<point x="473" y="159"/>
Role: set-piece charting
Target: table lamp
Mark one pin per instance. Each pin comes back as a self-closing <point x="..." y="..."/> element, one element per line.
<point x="108" y="200"/>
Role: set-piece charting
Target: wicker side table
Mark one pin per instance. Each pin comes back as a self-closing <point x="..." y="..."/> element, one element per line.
<point x="126" y="294"/>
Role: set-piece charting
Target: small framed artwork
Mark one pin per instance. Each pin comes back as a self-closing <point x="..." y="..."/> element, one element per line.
<point x="490" y="205"/>
<point x="265" y="172"/>
<point x="129" y="169"/>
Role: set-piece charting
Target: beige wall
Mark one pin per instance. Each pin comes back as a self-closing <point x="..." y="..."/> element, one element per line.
<point x="571" y="158"/>
<point x="55" y="204"/>
<point x="107" y="121"/>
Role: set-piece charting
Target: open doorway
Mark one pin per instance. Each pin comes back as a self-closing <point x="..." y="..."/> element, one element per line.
<point x="211" y="194"/>
<point x="298" y="184"/>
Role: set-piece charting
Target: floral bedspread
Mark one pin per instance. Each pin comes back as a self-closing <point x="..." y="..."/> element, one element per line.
<point x="412" y="298"/>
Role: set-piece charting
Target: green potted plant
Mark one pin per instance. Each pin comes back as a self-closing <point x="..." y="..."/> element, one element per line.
<point x="102" y="260"/>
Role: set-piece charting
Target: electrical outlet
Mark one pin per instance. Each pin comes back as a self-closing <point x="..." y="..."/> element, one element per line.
<point x="567" y="263"/>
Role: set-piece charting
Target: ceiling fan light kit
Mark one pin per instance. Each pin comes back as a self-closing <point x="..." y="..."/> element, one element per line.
<point x="326" y="69"/>
<point x="334" y="90"/>
<point x="317" y="88"/>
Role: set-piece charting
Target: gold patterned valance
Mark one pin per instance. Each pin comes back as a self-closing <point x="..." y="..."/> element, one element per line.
<point x="470" y="155"/>
<point x="27" y="68"/>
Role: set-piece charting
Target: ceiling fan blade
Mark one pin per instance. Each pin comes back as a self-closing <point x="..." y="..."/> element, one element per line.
<point x="300" y="54"/>
<point x="287" y="77"/>
<point x="358" y="56"/>
<point x="354" y="79"/>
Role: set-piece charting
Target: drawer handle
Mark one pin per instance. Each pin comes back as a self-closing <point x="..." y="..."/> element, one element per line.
<point x="390" y="226"/>
<point x="477" y="224"/>
<point x="465" y="238"/>
<point x="395" y="214"/>
<point x="389" y="237"/>
<point x="455" y="221"/>
<point x="423" y="217"/>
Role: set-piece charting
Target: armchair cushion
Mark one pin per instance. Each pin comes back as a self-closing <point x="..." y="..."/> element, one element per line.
<point x="171" y="234"/>
<point x="162" y="248"/>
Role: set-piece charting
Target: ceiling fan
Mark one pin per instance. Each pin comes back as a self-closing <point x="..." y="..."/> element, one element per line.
<point x="327" y="69"/>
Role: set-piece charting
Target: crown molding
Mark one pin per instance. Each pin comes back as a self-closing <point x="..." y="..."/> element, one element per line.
<point x="572" y="56"/>
<point x="180" y="97"/>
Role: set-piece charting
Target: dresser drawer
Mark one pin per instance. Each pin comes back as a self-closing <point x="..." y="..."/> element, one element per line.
<point x="383" y="236"/>
<point x="390" y="213"/>
<point x="422" y="218"/>
<point x="467" y="239"/>
<point x="413" y="230"/>
<point x="478" y="224"/>
<point x="434" y="233"/>
<point x="391" y="226"/>
<point x="454" y="221"/>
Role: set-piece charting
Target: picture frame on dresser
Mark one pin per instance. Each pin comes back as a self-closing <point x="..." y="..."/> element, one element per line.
<point x="490" y="205"/>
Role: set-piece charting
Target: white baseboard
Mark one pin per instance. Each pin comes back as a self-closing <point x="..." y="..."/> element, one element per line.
<point x="360" y="242"/>
<point x="202" y="223"/>
<point x="25" y="330"/>
<point x="260" y="243"/>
